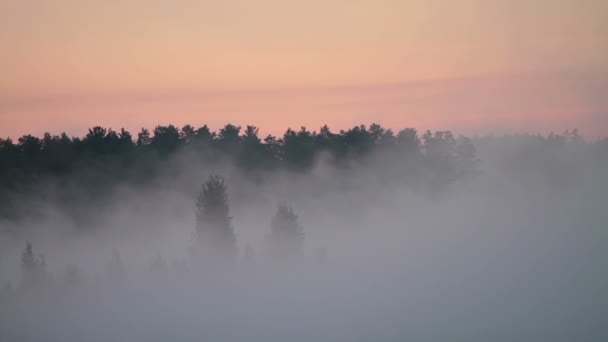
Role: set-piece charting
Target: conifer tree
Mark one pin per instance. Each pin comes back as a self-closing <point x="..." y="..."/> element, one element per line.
<point x="286" y="234"/>
<point x="215" y="234"/>
<point x="33" y="267"/>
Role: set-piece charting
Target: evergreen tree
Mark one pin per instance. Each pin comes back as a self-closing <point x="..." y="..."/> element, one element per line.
<point x="166" y="139"/>
<point x="298" y="149"/>
<point x="143" y="137"/>
<point x="215" y="235"/>
<point x="286" y="234"/>
<point x="33" y="268"/>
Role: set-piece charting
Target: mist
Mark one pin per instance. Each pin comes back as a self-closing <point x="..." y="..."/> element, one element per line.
<point x="388" y="237"/>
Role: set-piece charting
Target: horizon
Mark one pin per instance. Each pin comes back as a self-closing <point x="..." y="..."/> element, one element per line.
<point x="346" y="98"/>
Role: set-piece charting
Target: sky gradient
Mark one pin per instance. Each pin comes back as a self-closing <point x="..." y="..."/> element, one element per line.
<point x="472" y="66"/>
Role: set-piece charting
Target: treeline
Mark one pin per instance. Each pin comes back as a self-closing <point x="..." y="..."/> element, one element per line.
<point x="94" y="164"/>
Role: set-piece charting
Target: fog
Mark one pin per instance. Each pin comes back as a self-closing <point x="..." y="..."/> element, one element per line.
<point x="516" y="252"/>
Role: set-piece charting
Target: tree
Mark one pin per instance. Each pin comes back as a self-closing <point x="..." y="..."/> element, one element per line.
<point x="215" y="235"/>
<point x="187" y="134"/>
<point x="228" y="140"/>
<point x="30" y="145"/>
<point x="447" y="160"/>
<point x="358" y="140"/>
<point x="165" y="139"/>
<point x="253" y="155"/>
<point x="143" y="137"/>
<point x="408" y="139"/>
<point x="286" y="234"/>
<point x="95" y="141"/>
<point x="326" y="140"/>
<point x="229" y="135"/>
<point x="125" y="138"/>
<point x="272" y="148"/>
<point x="298" y="149"/>
<point x="204" y="135"/>
<point x="33" y="268"/>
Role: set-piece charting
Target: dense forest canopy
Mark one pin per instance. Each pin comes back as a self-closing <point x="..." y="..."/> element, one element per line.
<point x="80" y="174"/>
<point x="104" y="158"/>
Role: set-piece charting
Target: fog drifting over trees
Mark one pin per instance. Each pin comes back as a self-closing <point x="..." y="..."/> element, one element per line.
<point x="364" y="234"/>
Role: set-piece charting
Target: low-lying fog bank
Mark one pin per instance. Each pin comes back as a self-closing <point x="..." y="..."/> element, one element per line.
<point x="514" y="252"/>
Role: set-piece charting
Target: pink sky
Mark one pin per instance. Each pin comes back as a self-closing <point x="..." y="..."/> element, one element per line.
<point x="474" y="67"/>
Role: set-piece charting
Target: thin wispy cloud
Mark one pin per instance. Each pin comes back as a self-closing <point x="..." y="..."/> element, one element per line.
<point x="537" y="102"/>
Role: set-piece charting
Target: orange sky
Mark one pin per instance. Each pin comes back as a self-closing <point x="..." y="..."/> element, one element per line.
<point x="473" y="66"/>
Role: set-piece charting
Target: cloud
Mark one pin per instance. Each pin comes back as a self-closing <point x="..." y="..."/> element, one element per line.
<point x="531" y="102"/>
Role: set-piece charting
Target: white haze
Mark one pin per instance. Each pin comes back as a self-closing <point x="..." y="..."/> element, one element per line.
<point x="511" y="255"/>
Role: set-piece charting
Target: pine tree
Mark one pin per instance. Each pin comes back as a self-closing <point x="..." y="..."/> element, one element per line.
<point x="215" y="235"/>
<point x="286" y="234"/>
<point x="33" y="267"/>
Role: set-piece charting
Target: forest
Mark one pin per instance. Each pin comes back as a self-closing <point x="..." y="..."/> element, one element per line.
<point x="178" y="233"/>
<point x="103" y="159"/>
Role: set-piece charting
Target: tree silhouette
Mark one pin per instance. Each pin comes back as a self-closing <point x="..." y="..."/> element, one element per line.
<point x="447" y="159"/>
<point x="215" y="235"/>
<point x="286" y="234"/>
<point x="203" y="135"/>
<point x="33" y="268"/>
<point x="187" y="134"/>
<point x="166" y="139"/>
<point x="298" y="149"/>
<point x="143" y="137"/>
<point x="254" y="155"/>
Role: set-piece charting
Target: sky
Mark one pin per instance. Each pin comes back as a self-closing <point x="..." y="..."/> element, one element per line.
<point x="471" y="66"/>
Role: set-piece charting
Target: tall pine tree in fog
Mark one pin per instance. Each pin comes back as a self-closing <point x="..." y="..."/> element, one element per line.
<point x="215" y="235"/>
<point x="286" y="234"/>
<point x="33" y="268"/>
